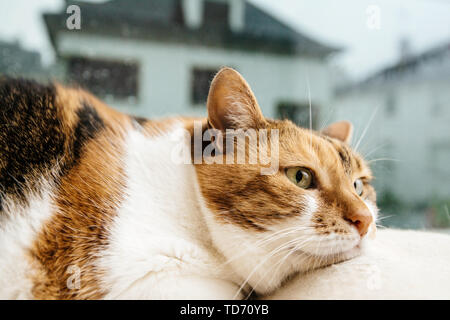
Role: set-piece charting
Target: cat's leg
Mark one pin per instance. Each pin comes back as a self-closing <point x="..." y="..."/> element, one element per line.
<point x="154" y="287"/>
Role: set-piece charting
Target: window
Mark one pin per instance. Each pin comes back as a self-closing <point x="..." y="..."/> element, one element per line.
<point x="201" y="79"/>
<point x="105" y="78"/>
<point x="297" y="113"/>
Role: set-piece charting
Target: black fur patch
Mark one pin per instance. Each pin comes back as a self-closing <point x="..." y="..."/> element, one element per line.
<point x="30" y="136"/>
<point x="89" y="123"/>
<point x="32" y="139"/>
<point x="140" y="120"/>
<point x="344" y="154"/>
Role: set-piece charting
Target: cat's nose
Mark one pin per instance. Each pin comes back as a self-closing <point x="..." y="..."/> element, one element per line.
<point x="361" y="219"/>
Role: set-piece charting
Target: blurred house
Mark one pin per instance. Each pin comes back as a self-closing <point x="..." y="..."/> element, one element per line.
<point x="410" y="105"/>
<point x="157" y="57"/>
<point x="17" y="61"/>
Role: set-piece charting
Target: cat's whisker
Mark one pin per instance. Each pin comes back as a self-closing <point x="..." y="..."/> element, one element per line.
<point x="384" y="217"/>
<point x="279" y="264"/>
<point x="278" y="235"/>
<point x="270" y="238"/>
<point x="274" y="273"/>
<point x="366" y="128"/>
<point x="316" y="252"/>
<point x="284" y="232"/>
<point x="365" y="156"/>
<point x="325" y="122"/>
<point x="266" y="258"/>
<point x="383" y="159"/>
<point x="309" y="101"/>
<point x="310" y="111"/>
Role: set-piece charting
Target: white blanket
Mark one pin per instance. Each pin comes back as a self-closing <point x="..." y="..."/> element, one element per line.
<point x="398" y="265"/>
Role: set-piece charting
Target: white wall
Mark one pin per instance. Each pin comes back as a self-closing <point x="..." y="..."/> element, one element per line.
<point x="165" y="73"/>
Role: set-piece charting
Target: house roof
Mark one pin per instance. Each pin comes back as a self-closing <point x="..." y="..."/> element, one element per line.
<point x="162" y="20"/>
<point x="406" y="67"/>
<point x="410" y="63"/>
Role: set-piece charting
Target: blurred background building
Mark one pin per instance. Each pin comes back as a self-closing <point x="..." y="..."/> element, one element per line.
<point x="15" y="60"/>
<point x="409" y="104"/>
<point x="156" y="58"/>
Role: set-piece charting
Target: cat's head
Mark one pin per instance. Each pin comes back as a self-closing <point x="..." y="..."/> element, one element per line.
<point x="317" y="207"/>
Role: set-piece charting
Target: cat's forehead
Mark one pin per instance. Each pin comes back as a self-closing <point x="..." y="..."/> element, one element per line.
<point x="299" y="146"/>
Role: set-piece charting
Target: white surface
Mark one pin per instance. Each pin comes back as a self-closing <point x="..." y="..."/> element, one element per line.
<point x="399" y="265"/>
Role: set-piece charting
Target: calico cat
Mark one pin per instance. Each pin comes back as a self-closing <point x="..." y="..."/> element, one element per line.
<point x="95" y="205"/>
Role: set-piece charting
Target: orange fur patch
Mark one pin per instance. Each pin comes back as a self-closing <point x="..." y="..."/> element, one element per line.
<point x="85" y="203"/>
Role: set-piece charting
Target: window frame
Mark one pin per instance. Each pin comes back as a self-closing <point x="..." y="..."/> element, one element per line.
<point x="127" y="99"/>
<point x="213" y="69"/>
<point x="301" y="105"/>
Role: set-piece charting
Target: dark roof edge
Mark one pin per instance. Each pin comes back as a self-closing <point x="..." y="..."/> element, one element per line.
<point x="398" y="67"/>
<point x="244" y="42"/>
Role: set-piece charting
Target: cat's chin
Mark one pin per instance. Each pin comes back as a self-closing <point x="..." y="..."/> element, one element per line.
<point x="318" y="260"/>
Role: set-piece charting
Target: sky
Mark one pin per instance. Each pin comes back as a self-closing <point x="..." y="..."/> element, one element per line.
<point x="368" y="31"/>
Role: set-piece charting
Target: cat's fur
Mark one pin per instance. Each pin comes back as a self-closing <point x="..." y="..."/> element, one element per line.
<point x="93" y="206"/>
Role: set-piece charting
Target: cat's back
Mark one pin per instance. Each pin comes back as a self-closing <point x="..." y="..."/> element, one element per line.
<point x="52" y="186"/>
<point x="90" y="198"/>
<point x="50" y="173"/>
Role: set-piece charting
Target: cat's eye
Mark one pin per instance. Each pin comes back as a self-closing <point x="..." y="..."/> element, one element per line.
<point x="300" y="176"/>
<point x="358" y="184"/>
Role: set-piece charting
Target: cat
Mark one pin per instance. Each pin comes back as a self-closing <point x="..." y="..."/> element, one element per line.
<point x="96" y="205"/>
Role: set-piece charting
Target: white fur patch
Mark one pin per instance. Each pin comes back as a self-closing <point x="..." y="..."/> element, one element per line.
<point x="373" y="209"/>
<point x="374" y="212"/>
<point x="18" y="229"/>
<point x="310" y="206"/>
<point x="158" y="241"/>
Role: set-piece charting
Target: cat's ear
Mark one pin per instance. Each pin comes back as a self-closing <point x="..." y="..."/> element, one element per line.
<point x="231" y="103"/>
<point x="342" y="130"/>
